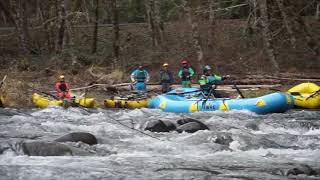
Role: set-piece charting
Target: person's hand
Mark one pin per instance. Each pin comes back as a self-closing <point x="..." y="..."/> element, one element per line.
<point x="226" y="76"/>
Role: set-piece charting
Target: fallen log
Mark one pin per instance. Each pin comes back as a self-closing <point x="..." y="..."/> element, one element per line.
<point x="155" y="86"/>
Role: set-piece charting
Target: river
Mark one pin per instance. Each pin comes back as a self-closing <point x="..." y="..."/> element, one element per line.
<point x="268" y="150"/>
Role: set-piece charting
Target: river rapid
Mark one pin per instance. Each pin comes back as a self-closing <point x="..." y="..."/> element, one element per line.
<point x="239" y="145"/>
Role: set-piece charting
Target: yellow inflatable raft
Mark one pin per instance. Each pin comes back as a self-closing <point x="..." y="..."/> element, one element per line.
<point x="125" y="103"/>
<point x="1" y="101"/>
<point x="306" y="95"/>
<point x="43" y="102"/>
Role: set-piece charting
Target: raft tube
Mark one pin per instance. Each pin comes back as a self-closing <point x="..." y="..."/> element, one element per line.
<point x="124" y="103"/>
<point x="306" y="95"/>
<point x="183" y="102"/>
<point x="1" y="101"/>
<point x="43" y="102"/>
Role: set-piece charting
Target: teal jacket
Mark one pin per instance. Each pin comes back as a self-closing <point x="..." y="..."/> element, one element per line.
<point x="186" y="73"/>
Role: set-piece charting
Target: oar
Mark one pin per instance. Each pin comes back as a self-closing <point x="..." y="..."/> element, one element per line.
<point x="46" y="93"/>
<point x="209" y="94"/>
<point x="198" y="90"/>
<point x="2" y="82"/>
<point x="238" y="90"/>
<point x="313" y="94"/>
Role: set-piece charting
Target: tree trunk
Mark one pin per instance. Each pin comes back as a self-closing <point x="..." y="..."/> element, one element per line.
<point x="157" y="21"/>
<point x="18" y="7"/>
<point x="116" y="34"/>
<point x="267" y="35"/>
<point x="108" y="12"/>
<point x="286" y="22"/>
<point x="318" y="12"/>
<point x="149" y="10"/>
<point x="154" y="21"/>
<point x="62" y="25"/>
<point x="5" y="9"/>
<point x="212" y="24"/>
<point x="95" y="31"/>
<point x="195" y="32"/>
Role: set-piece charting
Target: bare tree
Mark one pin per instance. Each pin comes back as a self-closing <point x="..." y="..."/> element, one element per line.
<point x="189" y="10"/>
<point x="318" y="11"/>
<point x="16" y="12"/>
<point x="212" y="24"/>
<point x="62" y="25"/>
<point x="263" y="6"/>
<point x="287" y="22"/>
<point x="116" y="34"/>
<point x="154" y="20"/>
<point x="6" y="11"/>
<point x="95" y="31"/>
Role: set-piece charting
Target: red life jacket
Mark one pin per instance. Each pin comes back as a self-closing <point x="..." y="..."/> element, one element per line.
<point x="62" y="89"/>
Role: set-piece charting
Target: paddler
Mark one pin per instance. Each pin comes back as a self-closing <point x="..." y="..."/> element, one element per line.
<point x="209" y="80"/>
<point x="139" y="78"/>
<point x="62" y="88"/>
<point x="185" y="73"/>
<point x="166" y="78"/>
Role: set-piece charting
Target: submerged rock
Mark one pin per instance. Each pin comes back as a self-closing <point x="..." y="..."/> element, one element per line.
<point x="302" y="169"/>
<point x="45" y="149"/>
<point x="160" y="126"/>
<point x="223" y="139"/>
<point x="78" y="136"/>
<point x="190" y="127"/>
<point x="253" y="125"/>
<point x="183" y="125"/>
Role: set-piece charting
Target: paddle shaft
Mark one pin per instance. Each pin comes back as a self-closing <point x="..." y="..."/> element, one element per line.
<point x="238" y="90"/>
<point x="4" y="78"/>
<point x="313" y="94"/>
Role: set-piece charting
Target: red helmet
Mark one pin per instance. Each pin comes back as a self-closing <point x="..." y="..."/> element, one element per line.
<point x="184" y="61"/>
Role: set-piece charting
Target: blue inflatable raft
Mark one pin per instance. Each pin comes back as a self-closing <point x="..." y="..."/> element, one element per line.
<point x="188" y="100"/>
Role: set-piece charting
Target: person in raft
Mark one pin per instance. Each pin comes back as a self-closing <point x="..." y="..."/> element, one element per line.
<point x="62" y="88"/>
<point x="208" y="81"/>
<point x="166" y="78"/>
<point x="139" y="78"/>
<point x="185" y="74"/>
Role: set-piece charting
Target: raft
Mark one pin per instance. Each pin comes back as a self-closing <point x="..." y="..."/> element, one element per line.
<point x="306" y="95"/>
<point x="187" y="100"/>
<point x="126" y="103"/>
<point x="1" y="101"/>
<point x="43" y="102"/>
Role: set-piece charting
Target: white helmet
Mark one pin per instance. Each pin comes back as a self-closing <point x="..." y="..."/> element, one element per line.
<point x="207" y="67"/>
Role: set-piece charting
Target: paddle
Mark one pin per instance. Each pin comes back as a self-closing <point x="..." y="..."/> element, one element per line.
<point x="66" y="103"/>
<point x="238" y="90"/>
<point x="209" y="94"/>
<point x="45" y="93"/>
<point x="181" y="93"/>
<point x="313" y="94"/>
<point x="2" y="82"/>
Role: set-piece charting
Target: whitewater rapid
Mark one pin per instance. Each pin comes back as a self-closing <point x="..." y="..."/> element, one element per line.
<point x="281" y="142"/>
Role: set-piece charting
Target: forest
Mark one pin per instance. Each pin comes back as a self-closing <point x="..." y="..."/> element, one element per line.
<point x="104" y="40"/>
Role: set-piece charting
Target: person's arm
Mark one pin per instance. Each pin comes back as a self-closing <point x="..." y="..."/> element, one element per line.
<point x="171" y="77"/>
<point x="180" y="73"/>
<point x="133" y="78"/>
<point x="160" y="77"/>
<point x="218" y="78"/>
<point x="67" y="87"/>
<point x="147" y="76"/>
<point x="56" y="86"/>
<point x="191" y="71"/>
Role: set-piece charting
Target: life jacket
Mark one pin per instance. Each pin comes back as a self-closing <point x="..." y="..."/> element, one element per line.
<point x="62" y="86"/>
<point x="165" y="76"/>
<point x="62" y="89"/>
<point x="140" y="76"/>
<point x="185" y="74"/>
